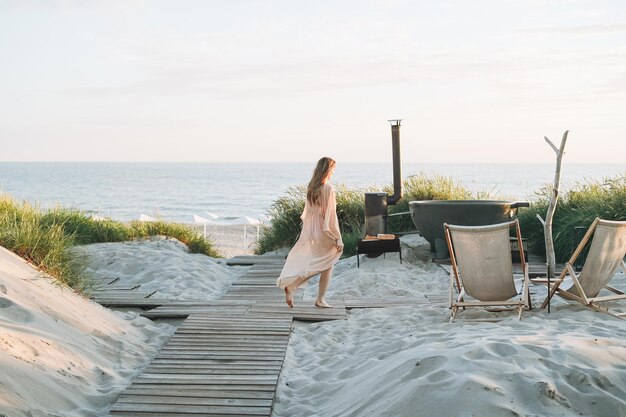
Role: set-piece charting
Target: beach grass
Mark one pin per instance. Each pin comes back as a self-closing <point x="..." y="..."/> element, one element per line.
<point x="576" y="208"/>
<point x="46" y="238"/>
<point x="285" y="227"/>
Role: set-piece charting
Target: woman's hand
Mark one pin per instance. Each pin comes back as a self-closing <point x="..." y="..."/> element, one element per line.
<point x="339" y="246"/>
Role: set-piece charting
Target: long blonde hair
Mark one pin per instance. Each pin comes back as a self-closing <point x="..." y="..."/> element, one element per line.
<point x="320" y="175"/>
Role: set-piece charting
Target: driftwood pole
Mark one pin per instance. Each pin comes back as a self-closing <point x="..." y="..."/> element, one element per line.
<point x="547" y="224"/>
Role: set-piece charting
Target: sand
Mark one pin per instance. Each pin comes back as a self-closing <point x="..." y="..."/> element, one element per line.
<point x="162" y="265"/>
<point x="62" y="355"/>
<point x="410" y="361"/>
<point x="231" y="240"/>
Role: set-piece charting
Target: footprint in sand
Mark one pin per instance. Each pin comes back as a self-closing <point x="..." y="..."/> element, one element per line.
<point x="13" y="312"/>
<point x="3" y="289"/>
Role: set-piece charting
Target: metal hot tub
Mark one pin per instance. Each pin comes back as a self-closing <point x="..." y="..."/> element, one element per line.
<point x="430" y="215"/>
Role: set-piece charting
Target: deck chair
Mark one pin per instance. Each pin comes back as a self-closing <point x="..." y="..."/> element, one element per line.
<point x="482" y="268"/>
<point x="606" y="254"/>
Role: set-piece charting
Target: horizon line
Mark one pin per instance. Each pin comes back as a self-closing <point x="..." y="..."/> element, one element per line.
<point x="303" y="162"/>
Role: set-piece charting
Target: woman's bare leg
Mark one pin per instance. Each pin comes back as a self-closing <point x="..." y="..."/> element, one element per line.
<point x="290" y="290"/>
<point x="289" y="296"/>
<point x="323" y="286"/>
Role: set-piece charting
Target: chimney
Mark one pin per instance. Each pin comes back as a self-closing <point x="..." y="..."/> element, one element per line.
<point x="397" y="164"/>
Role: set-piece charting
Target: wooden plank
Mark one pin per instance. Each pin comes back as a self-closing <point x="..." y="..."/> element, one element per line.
<point x="227" y="326"/>
<point x="221" y="380"/>
<point x="198" y="400"/>
<point x="240" y="357"/>
<point x="236" y="332"/>
<point x="140" y="303"/>
<point x="214" y="343"/>
<point x="209" y="319"/>
<point x="192" y="303"/>
<point x="233" y="339"/>
<point x="214" y="364"/>
<point x="191" y="409"/>
<point x="216" y="349"/>
<point x="182" y="312"/>
<point x="142" y="414"/>
<point x="205" y="372"/>
<point x="205" y="391"/>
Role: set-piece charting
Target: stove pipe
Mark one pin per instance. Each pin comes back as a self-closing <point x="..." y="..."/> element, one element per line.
<point x="376" y="203"/>
<point x="397" y="165"/>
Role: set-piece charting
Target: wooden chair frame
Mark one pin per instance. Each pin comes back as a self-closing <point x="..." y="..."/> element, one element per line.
<point x="518" y="305"/>
<point x="590" y="302"/>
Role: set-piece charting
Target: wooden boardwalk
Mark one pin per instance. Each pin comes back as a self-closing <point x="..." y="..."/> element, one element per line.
<point x="225" y="358"/>
<point x="213" y="365"/>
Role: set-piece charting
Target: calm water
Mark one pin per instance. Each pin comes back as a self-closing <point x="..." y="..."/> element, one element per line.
<point x="177" y="191"/>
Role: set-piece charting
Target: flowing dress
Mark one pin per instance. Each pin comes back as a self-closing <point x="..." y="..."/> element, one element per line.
<point x="317" y="248"/>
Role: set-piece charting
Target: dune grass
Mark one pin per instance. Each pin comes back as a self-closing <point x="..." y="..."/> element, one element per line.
<point x="46" y="238"/>
<point x="285" y="227"/>
<point x="578" y="207"/>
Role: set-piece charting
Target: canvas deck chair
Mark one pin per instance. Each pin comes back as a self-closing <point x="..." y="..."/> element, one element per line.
<point x="482" y="268"/>
<point x="606" y="254"/>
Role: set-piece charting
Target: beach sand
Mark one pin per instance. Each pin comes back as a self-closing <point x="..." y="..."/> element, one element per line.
<point x="65" y="356"/>
<point x="60" y="354"/>
<point x="231" y="240"/>
<point x="410" y="361"/>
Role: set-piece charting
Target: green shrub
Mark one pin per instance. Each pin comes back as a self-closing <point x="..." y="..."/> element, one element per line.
<point x="578" y="207"/>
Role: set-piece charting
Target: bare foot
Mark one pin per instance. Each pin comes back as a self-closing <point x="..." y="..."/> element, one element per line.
<point x="322" y="303"/>
<point x="289" y="296"/>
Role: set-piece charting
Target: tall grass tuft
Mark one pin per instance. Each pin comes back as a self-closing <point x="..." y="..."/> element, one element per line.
<point x="578" y="207"/>
<point x="47" y="238"/>
<point x="49" y="247"/>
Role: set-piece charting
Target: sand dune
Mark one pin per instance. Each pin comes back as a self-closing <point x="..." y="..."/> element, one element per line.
<point x="162" y="265"/>
<point x="62" y="355"/>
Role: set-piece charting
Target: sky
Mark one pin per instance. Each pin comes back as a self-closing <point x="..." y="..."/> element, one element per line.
<point x="290" y="81"/>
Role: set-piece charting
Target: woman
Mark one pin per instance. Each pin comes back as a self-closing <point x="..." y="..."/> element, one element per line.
<point x="320" y="245"/>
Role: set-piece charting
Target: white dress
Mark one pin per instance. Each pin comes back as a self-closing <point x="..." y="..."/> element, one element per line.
<point x="317" y="248"/>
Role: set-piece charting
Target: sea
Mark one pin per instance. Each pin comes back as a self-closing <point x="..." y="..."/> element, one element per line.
<point x="178" y="191"/>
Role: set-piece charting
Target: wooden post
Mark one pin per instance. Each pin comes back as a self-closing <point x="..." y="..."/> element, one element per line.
<point x="547" y="224"/>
